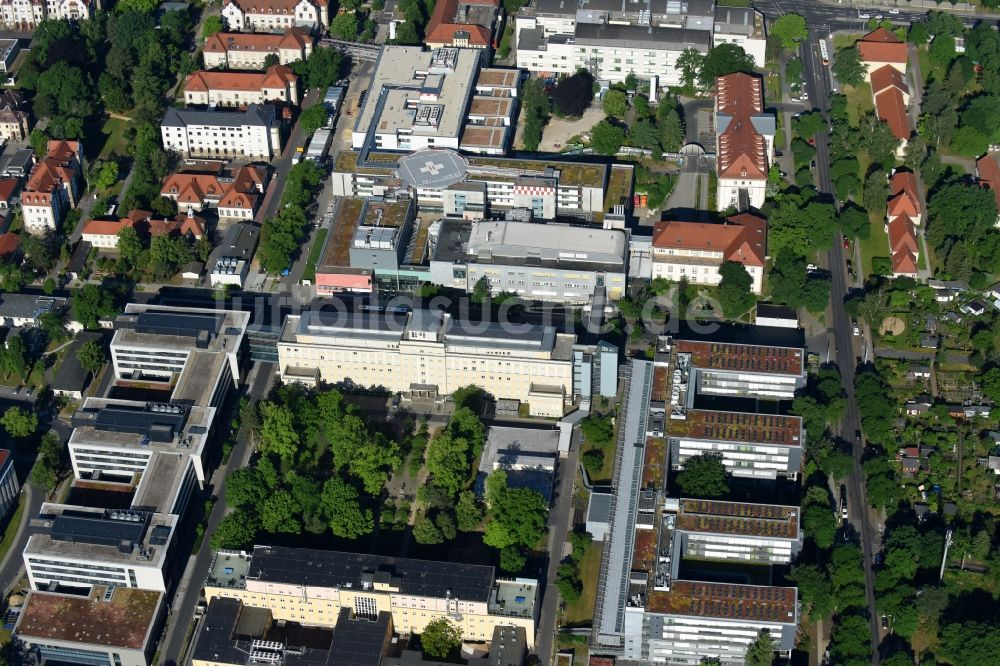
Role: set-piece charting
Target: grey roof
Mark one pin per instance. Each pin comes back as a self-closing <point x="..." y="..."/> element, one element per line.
<point x="432" y="168"/>
<point x="22" y="306"/>
<point x="638" y="36"/>
<point x="322" y="568"/>
<point x="240" y="242"/>
<point x="765" y="124"/>
<point x="775" y="311"/>
<point x="256" y="114"/>
<point x="734" y="19"/>
<point x="599" y="510"/>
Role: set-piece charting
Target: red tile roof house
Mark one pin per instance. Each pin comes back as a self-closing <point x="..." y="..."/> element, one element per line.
<point x="10" y="247"/>
<point x="239" y="89"/>
<point x="903" y="197"/>
<point x="880" y="48"/>
<point x="464" y="23"/>
<point x="53" y="187"/>
<point x="989" y="177"/>
<point x="103" y="234"/>
<point x="696" y="250"/>
<point x="745" y="141"/>
<point x="235" y="198"/>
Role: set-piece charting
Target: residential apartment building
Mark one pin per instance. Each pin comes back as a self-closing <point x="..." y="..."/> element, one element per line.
<point x="471" y="187"/>
<point x="14" y="120"/>
<point x="467" y="24"/>
<point x="695" y="251"/>
<point x="311" y="587"/>
<point x="253" y="134"/>
<point x="103" y="234"/>
<point x="903" y="213"/>
<point x="111" y="625"/>
<point x="744" y="141"/>
<point x="277" y="84"/>
<point x="236" y="50"/>
<point x="275" y="15"/>
<point x="53" y="187"/>
<point x="545" y="262"/>
<point x="430" y="354"/>
<point x="27" y="14"/>
<point x="235" y="195"/>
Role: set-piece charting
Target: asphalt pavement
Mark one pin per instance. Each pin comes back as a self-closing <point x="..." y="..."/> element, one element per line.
<point x="175" y="644"/>
<point x="559" y="519"/>
<point x="818" y="86"/>
<point x="834" y="16"/>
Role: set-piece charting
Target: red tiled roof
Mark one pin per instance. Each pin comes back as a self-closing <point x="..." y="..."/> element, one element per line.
<point x="7" y="187"/>
<point x="277" y="76"/>
<point x="104" y="227"/>
<point x="903" y="199"/>
<point x="903" y="245"/>
<point x="143" y="222"/>
<point x="989" y="175"/>
<point x="889" y="107"/>
<point x="9" y="242"/>
<point x="742" y="151"/>
<point x="882" y="52"/>
<point x="888" y="76"/>
<point x="882" y="35"/>
<point x="742" y="238"/>
<point x="197" y="188"/>
<point x="441" y="29"/>
<point x="221" y="42"/>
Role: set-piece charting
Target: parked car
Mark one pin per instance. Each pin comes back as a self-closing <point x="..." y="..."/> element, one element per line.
<point x="893" y="11"/>
<point x="865" y="16"/>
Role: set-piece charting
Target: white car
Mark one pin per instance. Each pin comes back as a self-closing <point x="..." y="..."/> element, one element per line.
<point x="864" y="16"/>
<point x="893" y="11"/>
<point x="878" y="17"/>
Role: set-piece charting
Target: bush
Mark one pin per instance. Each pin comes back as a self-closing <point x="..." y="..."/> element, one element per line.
<point x="881" y="266"/>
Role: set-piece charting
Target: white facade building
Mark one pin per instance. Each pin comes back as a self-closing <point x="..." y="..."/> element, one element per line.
<point x="275" y="15"/>
<point x="27" y="14"/>
<point x="429" y="354"/>
<point x="253" y="133"/>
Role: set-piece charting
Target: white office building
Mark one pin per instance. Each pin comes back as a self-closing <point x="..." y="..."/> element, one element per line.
<point x="253" y="133"/>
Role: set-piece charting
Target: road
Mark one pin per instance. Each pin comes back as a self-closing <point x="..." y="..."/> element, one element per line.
<point x="559" y="519"/>
<point x="818" y="87"/>
<point x="188" y="593"/>
<point x="834" y="16"/>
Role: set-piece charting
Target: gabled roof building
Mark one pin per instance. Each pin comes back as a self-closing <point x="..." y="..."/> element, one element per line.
<point x="238" y="89"/>
<point x="744" y="141"/>
<point x="53" y="187"/>
<point x="695" y="251"/>
<point x="235" y="50"/>
<point x="275" y="15"/>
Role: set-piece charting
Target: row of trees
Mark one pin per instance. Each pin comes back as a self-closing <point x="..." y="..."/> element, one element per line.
<point x="282" y="234"/>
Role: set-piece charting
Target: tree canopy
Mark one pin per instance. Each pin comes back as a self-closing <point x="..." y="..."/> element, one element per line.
<point x="440" y="637"/>
<point x="735" y="289"/>
<point x="703" y="475"/>
<point x="573" y="94"/>
<point x="790" y="29"/>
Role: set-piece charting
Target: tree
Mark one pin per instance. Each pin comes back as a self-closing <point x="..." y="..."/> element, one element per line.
<point x="340" y="506"/>
<point x="19" y="423"/>
<point x="406" y="33"/>
<point x="971" y="642"/>
<point x="278" y="432"/>
<point x="372" y="461"/>
<point x="425" y="532"/>
<point x="107" y="175"/>
<point x="14" y="357"/>
<point x="809" y="124"/>
<point x="918" y="33"/>
<point x="516" y="516"/>
<point x="724" y="59"/>
<point x="847" y="66"/>
<point x="512" y="559"/>
<point x="440" y="637"/>
<point x="279" y="513"/>
<point x="593" y="460"/>
<point x="735" y="289"/>
<point x="129" y="246"/>
<point x="314" y="117"/>
<point x="168" y="253"/>
<point x="794" y="70"/>
<point x="211" y="25"/>
<point x="615" y="103"/>
<point x="535" y="105"/>
<point x="876" y="192"/>
<point x="689" y="62"/>
<point x="703" y="475"/>
<point x="572" y="94"/>
<point x="761" y="651"/>
<point x="236" y="531"/>
<point x="270" y="60"/>
<point x="790" y="29"/>
<point x="671" y="129"/>
<point x="606" y="139"/>
<point x="91" y="356"/>
<point x="942" y="50"/>
<point x="245" y="487"/>
<point x="468" y="511"/>
<point x="345" y="26"/>
<point x="49" y="286"/>
<point x="969" y="141"/>
<point x="91" y="304"/>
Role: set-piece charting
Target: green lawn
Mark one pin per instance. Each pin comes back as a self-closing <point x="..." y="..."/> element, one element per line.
<point x="582" y="612"/>
<point x="876" y="245"/>
<point x="113" y="132"/>
<point x="310" y="272"/>
<point x="11" y="530"/>
<point x="859" y="101"/>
